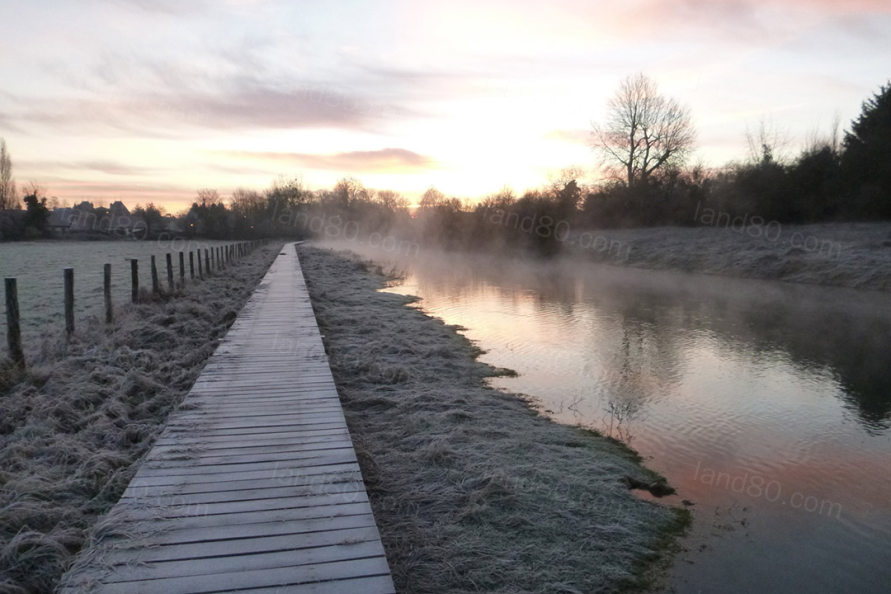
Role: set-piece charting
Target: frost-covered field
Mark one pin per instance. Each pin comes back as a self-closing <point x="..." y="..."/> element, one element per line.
<point x="856" y="255"/>
<point x="38" y="267"/>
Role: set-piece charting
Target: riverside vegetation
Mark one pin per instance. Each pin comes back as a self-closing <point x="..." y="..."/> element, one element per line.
<point x="471" y="488"/>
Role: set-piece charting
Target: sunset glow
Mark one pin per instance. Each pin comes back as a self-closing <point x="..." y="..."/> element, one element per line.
<point x="149" y="100"/>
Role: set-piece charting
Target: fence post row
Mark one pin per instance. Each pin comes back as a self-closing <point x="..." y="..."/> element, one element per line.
<point x="215" y="258"/>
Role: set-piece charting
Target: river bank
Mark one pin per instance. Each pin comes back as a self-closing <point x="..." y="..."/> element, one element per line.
<point x="473" y="490"/>
<point x="74" y="428"/>
<point x="853" y="255"/>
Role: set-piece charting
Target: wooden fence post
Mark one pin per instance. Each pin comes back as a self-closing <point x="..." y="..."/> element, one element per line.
<point x="13" y="324"/>
<point x="192" y="265"/>
<point x="182" y="269"/>
<point x="207" y="261"/>
<point x="170" y="285"/>
<point x="134" y="280"/>
<point x="200" y="268"/>
<point x="156" y="288"/>
<point x="106" y="289"/>
<point x="69" y="301"/>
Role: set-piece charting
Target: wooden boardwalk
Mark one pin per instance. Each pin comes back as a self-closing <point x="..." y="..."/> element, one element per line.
<point x="254" y="484"/>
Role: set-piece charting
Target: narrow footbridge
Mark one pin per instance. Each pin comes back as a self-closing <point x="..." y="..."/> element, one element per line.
<point x="254" y="484"/>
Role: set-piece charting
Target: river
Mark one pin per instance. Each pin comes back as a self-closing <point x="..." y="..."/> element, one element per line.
<point x="767" y="405"/>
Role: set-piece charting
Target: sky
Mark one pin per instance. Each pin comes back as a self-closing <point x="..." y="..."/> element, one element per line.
<point x="151" y="100"/>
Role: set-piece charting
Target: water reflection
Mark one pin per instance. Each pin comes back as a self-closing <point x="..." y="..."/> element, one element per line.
<point x="819" y="331"/>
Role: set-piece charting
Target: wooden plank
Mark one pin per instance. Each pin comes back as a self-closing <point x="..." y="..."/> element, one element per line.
<point x="288" y="457"/>
<point x="267" y="437"/>
<point x="267" y="420"/>
<point x="269" y="578"/>
<point x="278" y="516"/>
<point x="283" y="475"/>
<point x="369" y="585"/>
<point x="136" y="511"/>
<point x="271" y="560"/>
<point x="327" y="470"/>
<point x="309" y="458"/>
<point x="246" y="546"/>
<point x="235" y="533"/>
<point x="254" y="484"/>
<point x="203" y="454"/>
<point x="190" y="429"/>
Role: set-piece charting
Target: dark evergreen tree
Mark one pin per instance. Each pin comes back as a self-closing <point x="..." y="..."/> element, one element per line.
<point x="866" y="161"/>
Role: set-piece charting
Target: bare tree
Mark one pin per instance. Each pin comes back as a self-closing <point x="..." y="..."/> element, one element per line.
<point x="432" y="198"/>
<point x="644" y="131"/>
<point x="8" y="196"/>
<point x="208" y="197"/>
<point x="391" y="200"/>
<point x="769" y="144"/>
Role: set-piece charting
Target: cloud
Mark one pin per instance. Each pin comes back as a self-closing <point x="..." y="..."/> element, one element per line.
<point x="734" y="21"/>
<point x="254" y="106"/>
<point x="836" y="7"/>
<point x="172" y="114"/>
<point x="164" y="7"/>
<point x="387" y="160"/>
<point x="88" y="189"/>
<point x="7" y="125"/>
<point x="574" y="136"/>
<point x="102" y="166"/>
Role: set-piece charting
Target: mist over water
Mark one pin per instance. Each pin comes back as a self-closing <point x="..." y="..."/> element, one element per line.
<point x="767" y="405"/>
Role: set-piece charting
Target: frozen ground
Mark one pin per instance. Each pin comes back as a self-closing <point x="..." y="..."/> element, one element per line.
<point x="856" y="255"/>
<point x="471" y="489"/>
<point x="73" y="429"/>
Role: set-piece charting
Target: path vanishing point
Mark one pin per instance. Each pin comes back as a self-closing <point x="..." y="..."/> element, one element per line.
<point x="254" y="485"/>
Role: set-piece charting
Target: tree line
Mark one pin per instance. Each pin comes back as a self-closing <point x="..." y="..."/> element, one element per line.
<point x="644" y="144"/>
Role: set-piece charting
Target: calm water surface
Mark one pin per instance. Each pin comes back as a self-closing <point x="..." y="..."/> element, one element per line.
<point x="767" y="405"/>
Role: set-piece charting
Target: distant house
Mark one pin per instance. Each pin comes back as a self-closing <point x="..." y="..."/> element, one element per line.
<point x="60" y="220"/>
<point x="120" y="222"/>
<point x="85" y="218"/>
